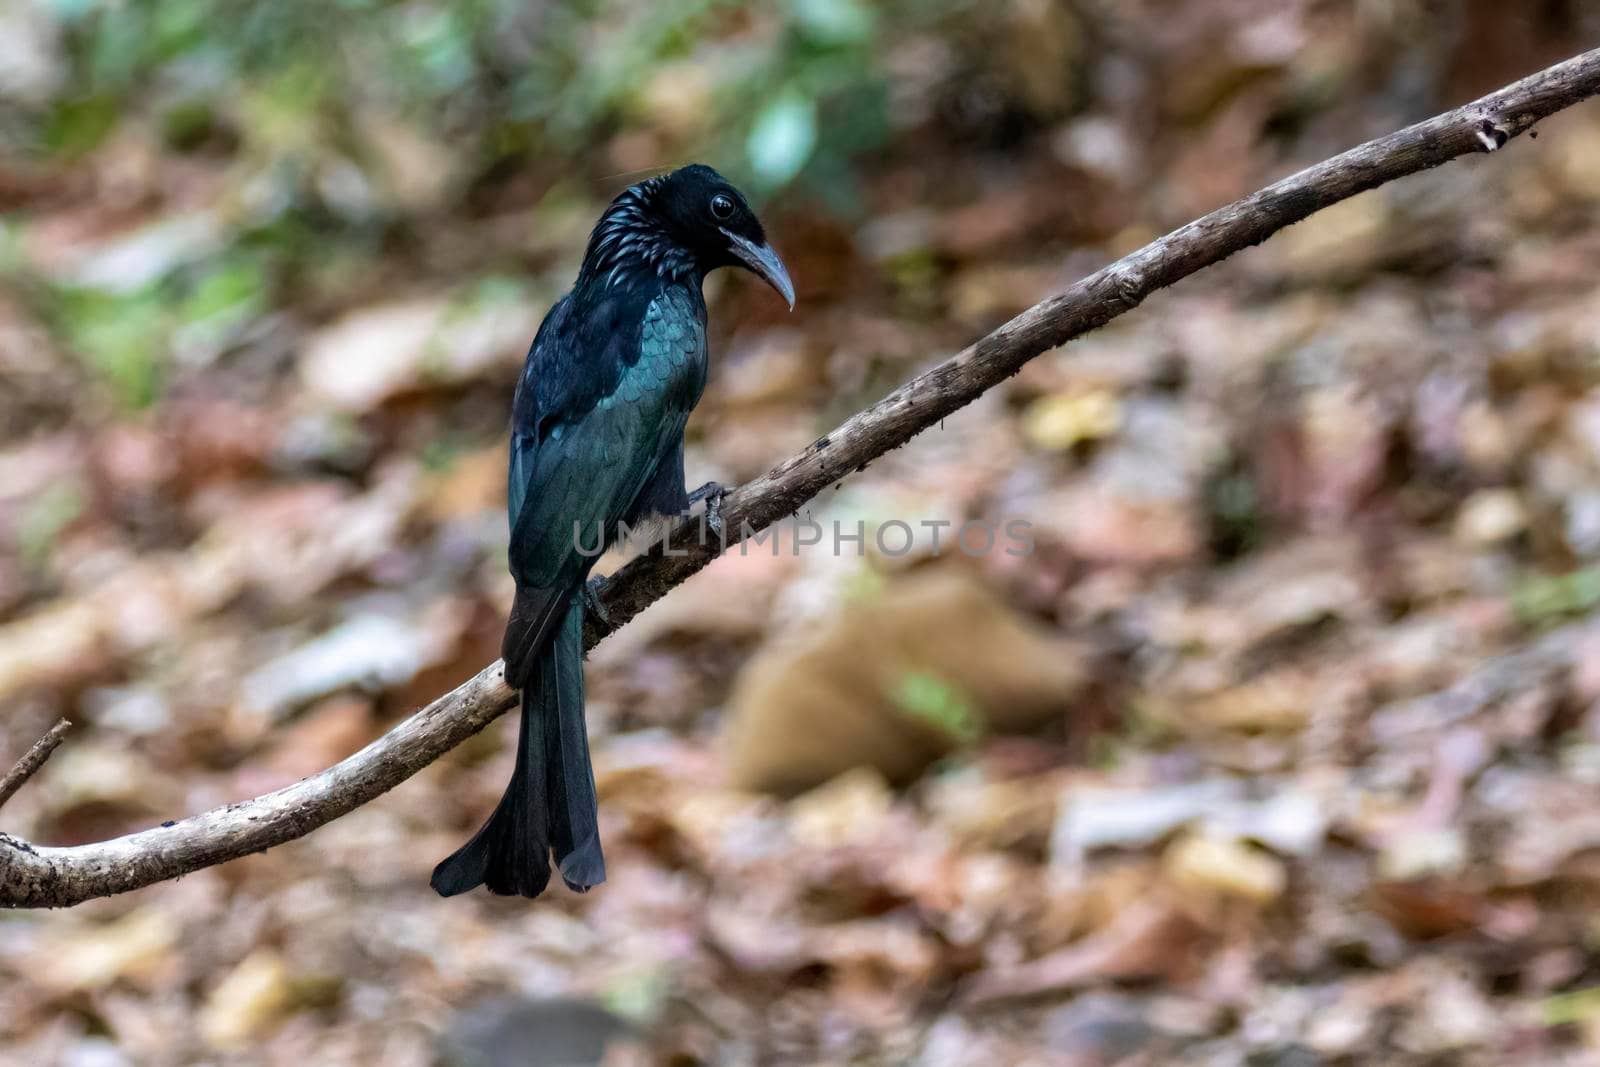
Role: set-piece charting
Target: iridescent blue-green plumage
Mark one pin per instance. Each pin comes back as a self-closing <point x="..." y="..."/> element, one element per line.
<point x="596" y="440"/>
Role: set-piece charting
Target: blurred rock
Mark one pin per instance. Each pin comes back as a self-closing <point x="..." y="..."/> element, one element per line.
<point x="560" y="1032"/>
<point x="1104" y="1030"/>
<point x="895" y="681"/>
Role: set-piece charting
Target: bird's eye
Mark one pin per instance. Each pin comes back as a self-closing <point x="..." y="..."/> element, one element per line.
<point x="722" y="206"/>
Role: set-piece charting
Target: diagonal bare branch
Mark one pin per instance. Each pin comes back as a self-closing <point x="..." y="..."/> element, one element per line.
<point x="38" y="876"/>
<point x="32" y="760"/>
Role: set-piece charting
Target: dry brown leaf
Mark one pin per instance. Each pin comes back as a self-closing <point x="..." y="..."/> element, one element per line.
<point x="1148" y="940"/>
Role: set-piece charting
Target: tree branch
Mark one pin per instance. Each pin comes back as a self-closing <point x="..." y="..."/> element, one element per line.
<point x="38" y="876"/>
<point x="32" y="760"/>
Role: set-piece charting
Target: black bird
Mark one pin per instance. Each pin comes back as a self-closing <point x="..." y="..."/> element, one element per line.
<point x="597" y="438"/>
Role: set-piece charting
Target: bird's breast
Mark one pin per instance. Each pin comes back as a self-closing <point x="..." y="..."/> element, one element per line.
<point x="672" y="349"/>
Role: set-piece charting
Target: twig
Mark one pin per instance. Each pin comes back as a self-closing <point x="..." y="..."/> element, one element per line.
<point x="1524" y="669"/>
<point x="32" y="760"/>
<point x="36" y="876"/>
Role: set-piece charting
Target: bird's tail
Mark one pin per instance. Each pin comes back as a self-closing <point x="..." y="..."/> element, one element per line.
<point x="550" y="802"/>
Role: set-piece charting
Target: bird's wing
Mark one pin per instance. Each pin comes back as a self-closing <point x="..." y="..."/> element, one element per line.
<point x="580" y="456"/>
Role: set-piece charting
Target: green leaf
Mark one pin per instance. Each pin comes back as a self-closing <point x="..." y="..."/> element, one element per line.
<point x="784" y="135"/>
<point x="940" y="703"/>
<point x="1540" y="599"/>
<point x="79" y="124"/>
<point x="70" y="10"/>
<point x="1580" y="1005"/>
<point x="123" y="337"/>
<point x="837" y="22"/>
<point x="236" y="287"/>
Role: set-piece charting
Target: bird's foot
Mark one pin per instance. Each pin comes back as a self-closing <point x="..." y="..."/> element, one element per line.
<point x="712" y="493"/>
<point x="708" y="492"/>
<point x="594" y="600"/>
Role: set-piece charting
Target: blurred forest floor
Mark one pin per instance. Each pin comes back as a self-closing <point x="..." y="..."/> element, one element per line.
<point x="1281" y="748"/>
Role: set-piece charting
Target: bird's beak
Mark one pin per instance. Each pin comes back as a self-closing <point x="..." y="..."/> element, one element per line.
<point x="765" y="262"/>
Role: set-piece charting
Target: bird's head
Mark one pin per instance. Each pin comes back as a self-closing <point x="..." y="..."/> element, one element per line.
<point x="688" y="222"/>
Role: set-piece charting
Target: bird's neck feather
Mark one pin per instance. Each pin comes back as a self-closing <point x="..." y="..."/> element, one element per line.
<point x="630" y="244"/>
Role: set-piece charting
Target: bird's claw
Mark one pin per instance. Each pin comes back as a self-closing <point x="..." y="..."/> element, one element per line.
<point x="712" y="493"/>
<point x="708" y="492"/>
<point x="594" y="602"/>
